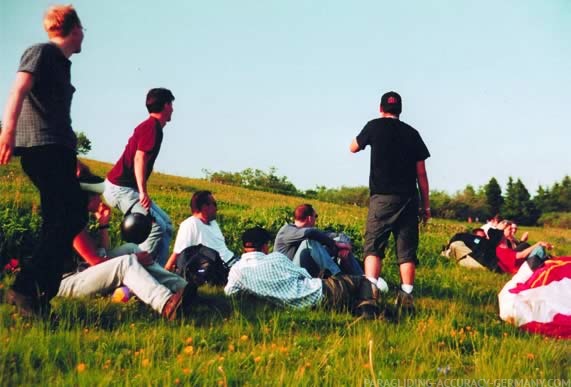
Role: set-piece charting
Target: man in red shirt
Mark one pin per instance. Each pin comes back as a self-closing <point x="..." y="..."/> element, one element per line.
<point x="126" y="184"/>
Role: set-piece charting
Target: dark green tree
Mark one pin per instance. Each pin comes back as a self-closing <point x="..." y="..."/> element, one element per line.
<point x="518" y="205"/>
<point x="556" y="198"/>
<point x="544" y="200"/>
<point x="83" y="143"/>
<point x="494" y="198"/>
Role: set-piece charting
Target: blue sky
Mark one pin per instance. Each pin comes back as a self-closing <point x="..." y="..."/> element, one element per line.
<point x="290" y="83"/>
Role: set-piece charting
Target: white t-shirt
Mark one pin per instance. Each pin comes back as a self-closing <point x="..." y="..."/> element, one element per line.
<point x="193" y="231"/>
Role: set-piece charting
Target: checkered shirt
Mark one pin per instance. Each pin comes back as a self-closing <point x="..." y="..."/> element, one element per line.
<point x="275" y="278"/>
<point x="45" y="116"/>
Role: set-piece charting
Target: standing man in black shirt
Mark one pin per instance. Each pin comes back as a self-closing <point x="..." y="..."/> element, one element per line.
<point x="397" y="165"/>
<point x="37" y="127"/>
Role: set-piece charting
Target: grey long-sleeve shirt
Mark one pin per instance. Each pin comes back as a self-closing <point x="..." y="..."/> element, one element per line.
<point x="289" y="238"/>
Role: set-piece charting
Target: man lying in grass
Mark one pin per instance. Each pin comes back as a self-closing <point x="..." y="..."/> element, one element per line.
<point x="275" y="278"/>
<point x="126" y="265"/>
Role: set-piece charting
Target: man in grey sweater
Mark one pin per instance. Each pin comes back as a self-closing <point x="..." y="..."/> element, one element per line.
<point x="319" y="252"/>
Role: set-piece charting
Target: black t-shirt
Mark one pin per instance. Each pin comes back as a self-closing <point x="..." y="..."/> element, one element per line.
<point x="395" y="149"/>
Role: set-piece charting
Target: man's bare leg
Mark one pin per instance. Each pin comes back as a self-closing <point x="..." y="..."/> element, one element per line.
<point x="373" y="266"/>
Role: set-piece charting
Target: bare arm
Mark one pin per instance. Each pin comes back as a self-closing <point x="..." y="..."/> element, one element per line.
<point x="141" y="160"/>
<point x="171" y="262"/>
<point x="22" y="86"/>
<point x="526" y="253"/>
<point x="103" y="215"/>
<point x="354" y="147"/>
<point x="424" y="190"/>
<point x="86" y="248"/>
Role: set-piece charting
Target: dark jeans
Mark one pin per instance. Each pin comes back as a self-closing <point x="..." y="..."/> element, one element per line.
<point x="64" y="214"/>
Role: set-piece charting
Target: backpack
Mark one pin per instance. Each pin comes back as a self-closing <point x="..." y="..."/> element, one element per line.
<point x="200" y="264"/>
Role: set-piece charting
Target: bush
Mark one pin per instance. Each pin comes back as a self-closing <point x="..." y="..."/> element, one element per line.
<point x="556" y="219"/>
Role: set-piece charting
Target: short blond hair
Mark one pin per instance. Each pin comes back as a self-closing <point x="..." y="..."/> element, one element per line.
<point x="59" y="20"/>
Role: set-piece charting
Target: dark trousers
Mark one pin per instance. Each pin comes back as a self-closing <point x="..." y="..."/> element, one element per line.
<point x="51" y="168"/>
<point x="348" y="291"/>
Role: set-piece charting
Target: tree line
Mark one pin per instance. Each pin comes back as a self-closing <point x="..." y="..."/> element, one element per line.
<point x="551" y="206"/>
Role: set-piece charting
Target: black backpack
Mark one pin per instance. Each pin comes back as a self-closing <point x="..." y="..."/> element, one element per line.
<point x="200" y="264"/>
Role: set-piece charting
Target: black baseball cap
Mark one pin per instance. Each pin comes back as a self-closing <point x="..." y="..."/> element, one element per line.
<point x="391" y="102"/>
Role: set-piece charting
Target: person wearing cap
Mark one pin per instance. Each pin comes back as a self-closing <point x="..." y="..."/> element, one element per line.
<point x="104" y="269"/>
<point x="315" y="250"/>
<point x="275" y="278"/>
<point x="397" y="166"/>
<point x="37" y="127"/>
<point x="126" y="184"/>
<point x="201" y="228"/>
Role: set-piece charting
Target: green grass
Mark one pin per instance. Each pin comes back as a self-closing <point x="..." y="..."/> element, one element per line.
<point x="456" y="332"/>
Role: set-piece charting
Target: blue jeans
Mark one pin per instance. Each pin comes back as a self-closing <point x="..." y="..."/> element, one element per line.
<point x="158" y="241"/>
<point x="314" y="257"/>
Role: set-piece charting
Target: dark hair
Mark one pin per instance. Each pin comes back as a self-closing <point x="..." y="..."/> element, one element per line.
<point x="255" y="237"/>
<point x="157" y="98"/>
<point x="303" y="211"/>
<point x="199" y="199"/>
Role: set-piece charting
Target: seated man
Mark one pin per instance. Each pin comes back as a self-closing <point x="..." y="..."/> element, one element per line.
<point x="475" y="250"/>
<point x="510" y="260"/>
<point x="201" y="228"/>
<point x="108" y="269"/>
<point x="275" y="278"/>
<point x="314" y="249"/>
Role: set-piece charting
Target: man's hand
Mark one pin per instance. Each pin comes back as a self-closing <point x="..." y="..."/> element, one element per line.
<point x="344" y="249"/>
<point x="7" y="142"/>
<point x="425" y="215"/>
<point x="546" y="245"/>
<point x="103" y="214"/>
<point x="144" y="258"/>
<point x="145" y="200"/>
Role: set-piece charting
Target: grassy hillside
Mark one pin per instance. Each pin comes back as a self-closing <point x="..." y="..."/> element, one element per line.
<point x="455" y="334"/>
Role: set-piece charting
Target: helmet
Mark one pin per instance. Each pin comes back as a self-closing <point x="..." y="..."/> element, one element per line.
<point x="136" y="227"/>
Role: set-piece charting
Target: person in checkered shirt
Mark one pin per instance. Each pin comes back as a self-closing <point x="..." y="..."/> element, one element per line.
<point x="37" y="127"/>
<point x="275" y="278"/>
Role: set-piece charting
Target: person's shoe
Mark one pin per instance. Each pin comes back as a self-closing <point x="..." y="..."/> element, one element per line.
<point x="369" y="296"/>
<point x="26" y="305"/>
<point x="172" y="305"/>
<point x="367" y="310"/>
<point x="404" y="302"/>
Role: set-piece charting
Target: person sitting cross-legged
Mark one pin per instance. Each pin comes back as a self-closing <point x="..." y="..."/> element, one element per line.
<point x="313" y="249"/>
<point x="275" y="278"/>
